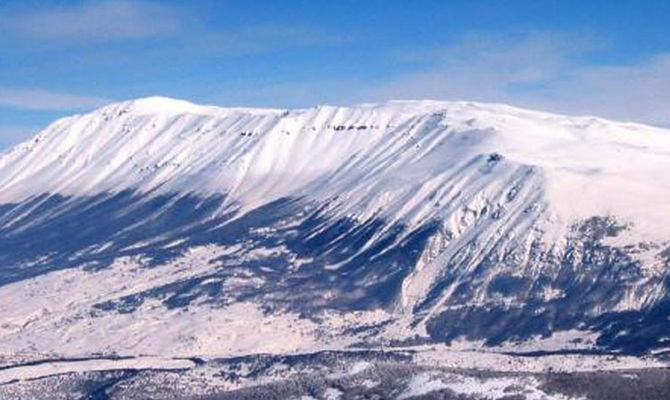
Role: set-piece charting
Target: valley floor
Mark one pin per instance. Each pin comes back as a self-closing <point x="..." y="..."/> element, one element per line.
<point x="424" y="372"/>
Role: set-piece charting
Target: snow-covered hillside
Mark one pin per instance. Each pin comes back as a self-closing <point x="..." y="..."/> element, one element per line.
<point x="364" y="225"/>
<point x="394" y="158"/>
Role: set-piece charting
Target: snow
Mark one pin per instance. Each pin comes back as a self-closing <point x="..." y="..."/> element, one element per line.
<point x="405" y="159"/>
<point x="492" y="388"/>
<point x="490" y="360"/>
<point x="354" y="369"/>
<point x="359" y="367"/>
<point x="26" y="372"/>
<point x="422" y="384"/>
<point x="401" y="161"/>
<point x="558" y="341"/>
<point x="332" y="394"/>
<point x="52" y="313"/>
<point x="50" y="316"/>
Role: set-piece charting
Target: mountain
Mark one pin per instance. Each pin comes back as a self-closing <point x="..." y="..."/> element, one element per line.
<point x="161" y="227"/>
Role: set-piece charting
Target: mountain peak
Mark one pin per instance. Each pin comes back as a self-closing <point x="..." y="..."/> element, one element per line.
<point x="161" y="105"/>
<point x="157" y="105"/>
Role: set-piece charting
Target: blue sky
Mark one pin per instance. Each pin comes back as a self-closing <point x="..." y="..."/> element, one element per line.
<point x="607" y="58"/>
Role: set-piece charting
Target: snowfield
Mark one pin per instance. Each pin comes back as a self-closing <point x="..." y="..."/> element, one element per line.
<point x="162" y="236"/>
<point x="405" y="159"/>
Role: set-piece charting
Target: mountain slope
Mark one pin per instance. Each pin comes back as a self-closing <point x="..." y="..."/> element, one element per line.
<point x="180" y="228"/>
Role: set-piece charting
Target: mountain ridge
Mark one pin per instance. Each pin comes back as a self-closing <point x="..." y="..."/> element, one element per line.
<point x="389" y="223"/>
<point x="156" y="125"/>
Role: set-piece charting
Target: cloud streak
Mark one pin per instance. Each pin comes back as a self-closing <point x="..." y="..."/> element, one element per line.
<point x="131" y="20"/>
<point x="265" y="38"/>
<point x="539" y="70"/>
<point x="93" y="21"/>
<point x="37" y="99"/>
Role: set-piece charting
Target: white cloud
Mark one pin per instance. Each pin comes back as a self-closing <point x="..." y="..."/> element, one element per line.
<point x="545" y="71"/>
<point x="185" y="26"/>
<point x="37" y="99"/>
<point x="640" y="91"/>
<point x="93" y="21"/>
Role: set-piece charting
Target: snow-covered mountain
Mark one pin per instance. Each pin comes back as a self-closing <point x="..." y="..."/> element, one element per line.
<point x="157" y="226"/>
